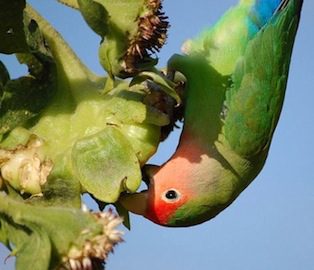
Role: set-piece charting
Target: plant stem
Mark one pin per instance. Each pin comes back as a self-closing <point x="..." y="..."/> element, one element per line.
<point x="64" y="55"/>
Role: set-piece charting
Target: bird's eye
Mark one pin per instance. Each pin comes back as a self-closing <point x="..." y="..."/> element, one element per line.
<point x="171" y="195"/>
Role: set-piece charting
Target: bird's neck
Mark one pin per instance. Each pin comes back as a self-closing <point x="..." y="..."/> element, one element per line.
<point x="204" y="97"/>
<point x="196" y="153"/>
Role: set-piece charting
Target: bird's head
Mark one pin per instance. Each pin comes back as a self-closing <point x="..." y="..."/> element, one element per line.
<point x="161" y="201"/>
<point x="172" y="198"/>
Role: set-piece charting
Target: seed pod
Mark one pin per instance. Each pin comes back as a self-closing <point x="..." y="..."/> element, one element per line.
<point x="150" y="37"/>
<point x="132" y="38"/>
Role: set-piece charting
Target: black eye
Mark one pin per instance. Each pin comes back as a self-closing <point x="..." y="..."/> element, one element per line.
<point x="171" y="195"/>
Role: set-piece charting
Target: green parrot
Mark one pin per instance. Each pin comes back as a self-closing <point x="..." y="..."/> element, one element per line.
<point x="236" y="75"/>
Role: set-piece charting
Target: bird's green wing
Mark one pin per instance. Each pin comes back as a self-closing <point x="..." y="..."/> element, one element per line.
<point x="253" y="103"/>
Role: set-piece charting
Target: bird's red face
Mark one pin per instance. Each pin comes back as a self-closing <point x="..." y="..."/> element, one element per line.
<point x="170" y="187"/>
<point x="165" y="195"/>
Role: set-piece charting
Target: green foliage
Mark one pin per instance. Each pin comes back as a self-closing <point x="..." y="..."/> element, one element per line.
<point x="106" y="161"/>
<point x="95" y="15"/>
<point x="24" y="98"/>
<point x="12" y="28"/>
<point x="65" y="131"/>
<point x="46" y="232"/>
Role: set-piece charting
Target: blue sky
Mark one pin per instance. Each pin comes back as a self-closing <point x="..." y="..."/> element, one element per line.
<point x="271" y="225"/>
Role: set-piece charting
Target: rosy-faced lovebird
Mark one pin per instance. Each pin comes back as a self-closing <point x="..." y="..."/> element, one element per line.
<point x="235" y="80"/>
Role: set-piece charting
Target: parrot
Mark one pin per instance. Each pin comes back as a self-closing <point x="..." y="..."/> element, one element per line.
<point x="235" y="80"/>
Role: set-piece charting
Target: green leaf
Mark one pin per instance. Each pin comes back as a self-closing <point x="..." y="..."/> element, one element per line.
<point x="37" y="247"/>
<point x="130" y="10"/>
<point x="12" y="234"/>
<point x="106" y="165"/>
<point x="95" y="15"/>
<point x="164" y="83"/>
<point x="34" y="229"/>
<point x="70" y="3"/>
<point x="12" y="34"/>
<point x="4" y="233"/>
<point x="22" y="99"/>
<point x="4" y="76"/>
<point x="144" y="139"/>
<point x="127" y="107"/>
<point x="124" y="214"/>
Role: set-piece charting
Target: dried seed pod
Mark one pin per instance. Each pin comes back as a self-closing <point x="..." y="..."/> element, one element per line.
<point x="133" y="37"/>
<point x="150" y="37"/>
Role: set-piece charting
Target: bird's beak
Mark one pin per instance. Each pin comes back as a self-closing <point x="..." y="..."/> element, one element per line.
<point x="147" y="173"/>
<point x="136" y="203"/>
